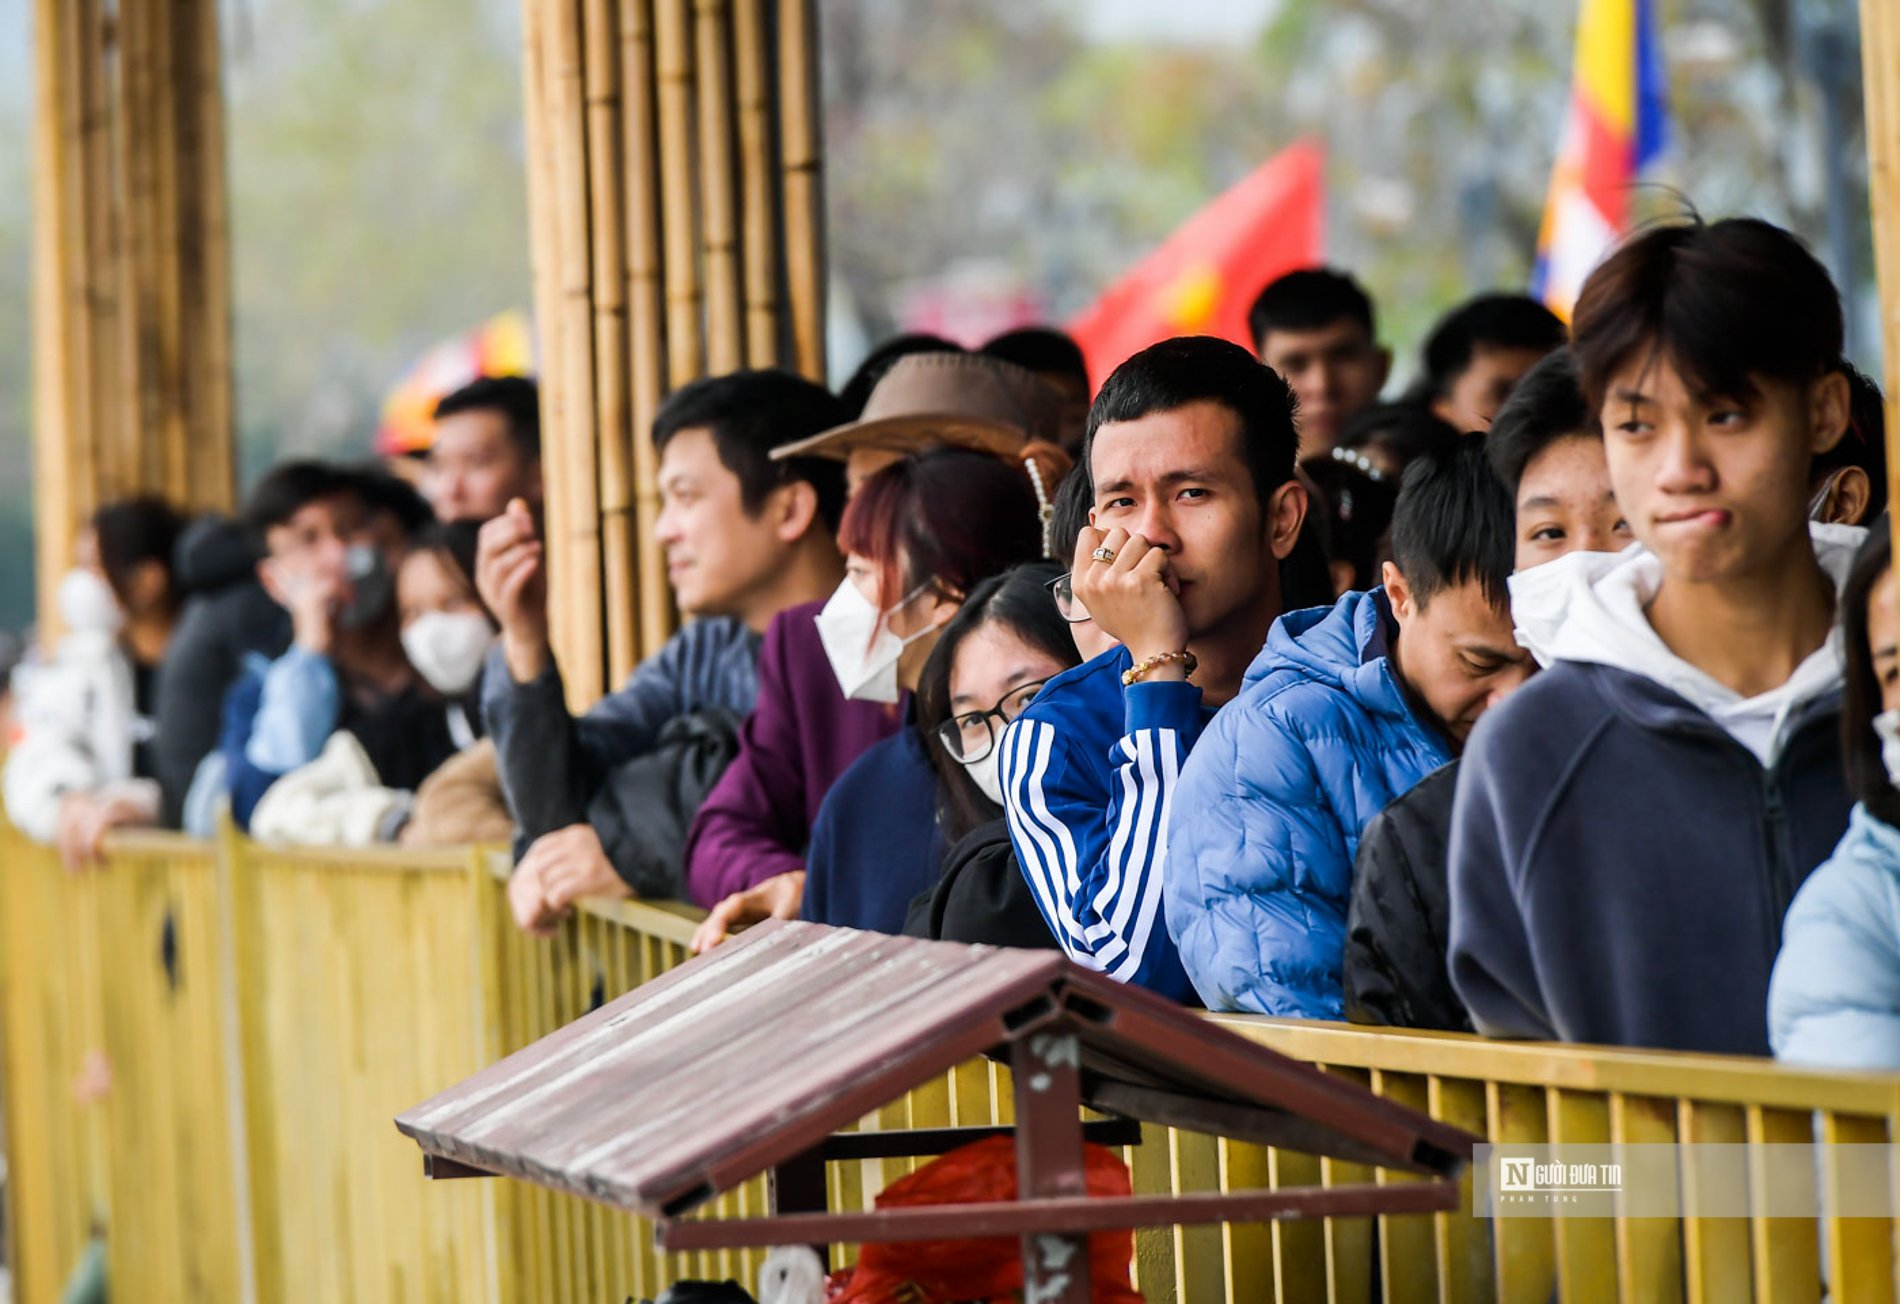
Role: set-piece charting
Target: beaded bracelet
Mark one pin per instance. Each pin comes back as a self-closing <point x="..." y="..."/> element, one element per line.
<point x="1135" y="673"/>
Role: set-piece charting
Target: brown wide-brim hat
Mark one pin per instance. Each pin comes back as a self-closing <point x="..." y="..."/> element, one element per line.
<point x="965" y="400"/>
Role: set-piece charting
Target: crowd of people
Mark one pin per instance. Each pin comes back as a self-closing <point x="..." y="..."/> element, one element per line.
<point x="1557" y="697"/>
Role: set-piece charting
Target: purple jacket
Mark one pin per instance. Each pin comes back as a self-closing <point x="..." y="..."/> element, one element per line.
<point x="803" y="734"/>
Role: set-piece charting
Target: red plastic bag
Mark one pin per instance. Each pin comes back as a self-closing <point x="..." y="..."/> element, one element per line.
<point x="988" y="1271"/>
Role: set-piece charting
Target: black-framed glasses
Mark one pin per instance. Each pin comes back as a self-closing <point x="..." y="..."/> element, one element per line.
<point x="1062" y="588"/>
<point x="970" y="737"/>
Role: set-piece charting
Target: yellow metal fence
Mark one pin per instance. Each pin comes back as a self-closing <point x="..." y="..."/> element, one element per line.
<point x="204" y="1047"/>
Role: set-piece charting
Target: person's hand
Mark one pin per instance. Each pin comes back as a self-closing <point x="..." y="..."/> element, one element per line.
<point x="511" y="576"/>
<point x="777" y="898"/>
<point x="312" y="591"/>
<point x="71" y="830"/>
<point x="572" y="864"/>
<point x="1131" y="598"/>
<point x="119" y="811"/>
<point x="529" y="903"/>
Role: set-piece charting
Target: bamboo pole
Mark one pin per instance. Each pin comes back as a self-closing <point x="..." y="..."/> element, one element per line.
<point x="674" y="89"/>
<point x="799" y="110"/>
<point x="758" y="195"/>
<point x="173" y="460"/>
<point x="1880" y="59"/>
<point x="135" y="142"/>
<point x="544" y="263"/>
<point x="646" y="329"/>
<point x="106" y="190"/>
<point x="55" y="304"/>
<point x="205" y="265"/>
<point x="719" y="202"/>
<point x="93" y="266"/>
<point x="574" y="520"/>
<point x="131" y="284"/>
<point x="609" y="286"/>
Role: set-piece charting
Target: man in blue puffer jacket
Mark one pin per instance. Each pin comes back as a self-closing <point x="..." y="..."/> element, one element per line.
<point x="1346" y="708"/>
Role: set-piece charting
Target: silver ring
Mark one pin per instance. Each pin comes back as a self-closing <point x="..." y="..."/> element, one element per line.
<point x="1103" y="554"/>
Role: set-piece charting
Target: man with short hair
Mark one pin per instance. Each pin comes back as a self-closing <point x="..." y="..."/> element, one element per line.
<point x="487" y="449"/>
<point x="1545" y="449"/>
<point x="1477" y="352"/>
<point x="745" y="538"/>
<point x="1191" y="451"/>
<point x="1630" y="829"/>
<point x="332" y="546"/>
<point x="1315" y="327"/>
<point x="1345" y="708"/>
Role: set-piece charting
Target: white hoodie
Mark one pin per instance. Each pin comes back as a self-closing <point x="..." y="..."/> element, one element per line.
<point x="1590" y="606"/>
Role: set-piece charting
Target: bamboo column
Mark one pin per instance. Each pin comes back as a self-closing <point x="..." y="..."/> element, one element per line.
<point x="800" y="148"/>
<point x="1880" y="81"/>
<point x="646" y="307"/>
<point x="131" y="281"/>
<point x="667" y="141"/>
<point x="719" y="198"/>
<point x="759" y="194"/>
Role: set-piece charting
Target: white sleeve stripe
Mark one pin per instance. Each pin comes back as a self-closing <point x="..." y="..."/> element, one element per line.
<point x="1125" y="908"/>
<point x="1044" y="841"/>
<point x="1033" y="840"/>
<point x="1151" y="896"/>
<point x="1138" y="877"/>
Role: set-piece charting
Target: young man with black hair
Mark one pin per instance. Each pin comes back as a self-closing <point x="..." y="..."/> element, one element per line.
<point x="1315" y="327"/>
<point x="332" y="545"/>
<point x="1630" y="829"/>
<point x="1190" y="449"/>
<point x="745" y="538"/>
<point x="1544" y="448"/>
<point x="487" y="449"/>
<point x="1478" y="351"/>
<point x="1345" y="708"/>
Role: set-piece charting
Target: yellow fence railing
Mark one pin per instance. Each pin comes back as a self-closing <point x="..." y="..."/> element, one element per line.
<point x="204" y="1046"/>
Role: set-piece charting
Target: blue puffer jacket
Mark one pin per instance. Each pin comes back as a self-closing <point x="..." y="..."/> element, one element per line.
<point x="1835" y="996"/>
<point x="1271" y="805"/>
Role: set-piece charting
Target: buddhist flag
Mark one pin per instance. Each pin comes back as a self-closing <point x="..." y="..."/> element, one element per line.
<point x="1616" y="127"/>
<point x="1204" y="277"/>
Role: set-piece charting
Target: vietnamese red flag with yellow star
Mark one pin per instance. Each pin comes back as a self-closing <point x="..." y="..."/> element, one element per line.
<point x="1204" y="277"/>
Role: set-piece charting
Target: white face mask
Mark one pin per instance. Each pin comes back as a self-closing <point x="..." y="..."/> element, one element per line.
<point x="860" y="645"/>
<point x="88" y="605"/>
<point x="983" y="774"/>
<point x="1887" y="726"/>
<point x="447" y="648"/>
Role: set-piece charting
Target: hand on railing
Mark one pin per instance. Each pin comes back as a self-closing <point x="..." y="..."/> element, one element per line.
<point x="570" y="864"/>
<point x="85" y="818"/>
<point x="778" y="897"/>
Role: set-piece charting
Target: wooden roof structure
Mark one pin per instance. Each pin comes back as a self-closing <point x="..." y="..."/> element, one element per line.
<point x="750" y="1060"/>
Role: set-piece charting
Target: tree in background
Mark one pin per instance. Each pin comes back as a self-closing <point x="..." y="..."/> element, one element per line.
<point x="378" y="203"/>
<point x="1017" y="130"/>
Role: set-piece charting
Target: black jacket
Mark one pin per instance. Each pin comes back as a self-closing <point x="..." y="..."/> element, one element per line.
<point x="981" y="897"/>
<point x="1398" y="926"/>
<point x="226" y="616"/>
<point x="644" y="807"/>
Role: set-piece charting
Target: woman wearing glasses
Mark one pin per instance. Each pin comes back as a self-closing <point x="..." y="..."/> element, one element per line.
<point x="992" y="660"/>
